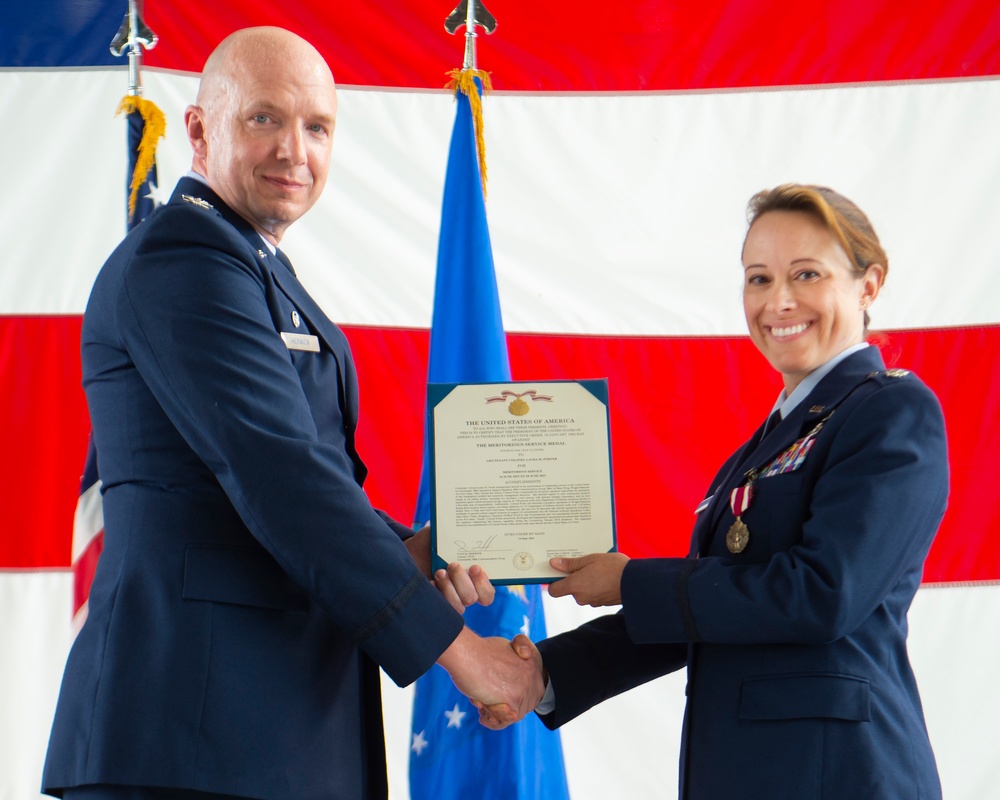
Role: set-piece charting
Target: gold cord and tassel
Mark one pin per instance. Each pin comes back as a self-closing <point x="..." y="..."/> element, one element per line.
<point x="154" y="127"/>
<point x="463" y="80"/>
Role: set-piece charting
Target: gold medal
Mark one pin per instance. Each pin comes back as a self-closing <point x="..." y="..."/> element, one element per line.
<point x="738" y="536"/>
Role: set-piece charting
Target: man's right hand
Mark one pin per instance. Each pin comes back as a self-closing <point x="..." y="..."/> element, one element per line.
<point x="503" y="679"/>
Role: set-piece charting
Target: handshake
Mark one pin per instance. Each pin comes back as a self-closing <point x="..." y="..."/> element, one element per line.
<point x="506" y="680"/>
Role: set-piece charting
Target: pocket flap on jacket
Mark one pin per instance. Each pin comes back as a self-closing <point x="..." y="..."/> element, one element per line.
<point x="806" y="695"/>
<point x="240" y="576"/>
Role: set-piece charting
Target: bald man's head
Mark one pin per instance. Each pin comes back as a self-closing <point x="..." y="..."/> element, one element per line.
<point x="262" y="127"/>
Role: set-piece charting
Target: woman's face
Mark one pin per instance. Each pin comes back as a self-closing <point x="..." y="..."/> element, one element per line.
<point x="804" y="301"/>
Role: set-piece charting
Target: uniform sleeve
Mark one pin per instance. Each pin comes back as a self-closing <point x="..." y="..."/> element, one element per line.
<point x="404" y="532"/>
<point x="597" y="661"/>
<point x="868" y="525"/>
<point x="193" y="315"/>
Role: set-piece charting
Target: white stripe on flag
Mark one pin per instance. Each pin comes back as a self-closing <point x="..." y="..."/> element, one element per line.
<point x="610" y="214"/>
<point x="35" y="634"/>
<point x="88" y="521"/>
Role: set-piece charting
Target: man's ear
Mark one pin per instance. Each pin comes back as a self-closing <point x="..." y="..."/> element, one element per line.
<point x="194" y="122"/>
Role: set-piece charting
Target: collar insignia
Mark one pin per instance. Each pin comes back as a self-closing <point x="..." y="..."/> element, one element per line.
<point x="196" y="201"/>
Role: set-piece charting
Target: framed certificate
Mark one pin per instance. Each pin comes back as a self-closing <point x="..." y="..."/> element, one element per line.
<point x="520" y="473"/>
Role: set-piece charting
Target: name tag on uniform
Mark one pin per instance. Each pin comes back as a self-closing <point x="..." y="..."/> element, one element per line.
<point x="300" y="341"/>
<point x="704" y="504"/>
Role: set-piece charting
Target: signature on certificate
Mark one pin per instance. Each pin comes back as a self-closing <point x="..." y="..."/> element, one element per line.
<point x="481" y="544"/>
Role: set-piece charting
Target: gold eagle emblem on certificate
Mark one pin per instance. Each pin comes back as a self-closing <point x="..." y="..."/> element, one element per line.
<point x="523" y="560"/>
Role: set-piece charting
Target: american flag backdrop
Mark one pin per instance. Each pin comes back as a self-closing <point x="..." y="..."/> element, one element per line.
<point x="623" y="142"/>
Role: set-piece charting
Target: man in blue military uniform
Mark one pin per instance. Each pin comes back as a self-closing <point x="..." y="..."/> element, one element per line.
<point x="248" y="591"/>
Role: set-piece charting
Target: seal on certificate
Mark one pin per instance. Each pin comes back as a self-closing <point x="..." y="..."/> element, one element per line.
<point x="518" y="407"/>
<point x="523" y="560"/>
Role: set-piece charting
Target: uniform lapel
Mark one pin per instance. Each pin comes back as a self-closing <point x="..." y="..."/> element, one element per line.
<point x="333" y="338"/>
<point x="191" y="190"/>
<point x="319" y="322"/>
<point x="708" y="519"/>
<point x="819" y="404"/>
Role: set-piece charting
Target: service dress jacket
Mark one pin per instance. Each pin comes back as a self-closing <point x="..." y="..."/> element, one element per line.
<point x="247" y="589"/>
<point x="799" y="684"/>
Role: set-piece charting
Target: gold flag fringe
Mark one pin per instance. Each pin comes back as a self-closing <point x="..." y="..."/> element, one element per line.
<point x="154" y="127"/>
<point x="464" y="81"/>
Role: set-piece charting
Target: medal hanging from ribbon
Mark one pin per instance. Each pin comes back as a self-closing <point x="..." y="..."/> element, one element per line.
<point x="738" y="536"/>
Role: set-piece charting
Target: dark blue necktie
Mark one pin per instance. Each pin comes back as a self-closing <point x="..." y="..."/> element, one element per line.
<point x="772" y="422"/>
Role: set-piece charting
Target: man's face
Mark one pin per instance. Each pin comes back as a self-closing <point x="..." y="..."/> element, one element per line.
<point x="267" y="141"/>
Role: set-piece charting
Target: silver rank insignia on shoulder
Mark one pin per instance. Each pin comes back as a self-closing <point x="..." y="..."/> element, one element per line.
<point x="896" y="373"/>
<point x="196" y="201"/>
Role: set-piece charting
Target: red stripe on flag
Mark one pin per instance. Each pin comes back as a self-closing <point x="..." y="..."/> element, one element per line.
<point x="43" y="438"/>
<point x="601" y="46"/>
<point x="678" y="406"/>
<point x="959" y="364"/>
<point x="678" y="409"/>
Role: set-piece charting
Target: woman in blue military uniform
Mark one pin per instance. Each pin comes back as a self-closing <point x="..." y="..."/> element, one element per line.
<point x="790" y="610"/>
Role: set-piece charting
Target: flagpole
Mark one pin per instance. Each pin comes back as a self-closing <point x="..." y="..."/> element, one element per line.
<point x="470" y="80"/>
<point x="469" y="62"/>
<point x="470" y="13"/>
<point x="133" y="35"/>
